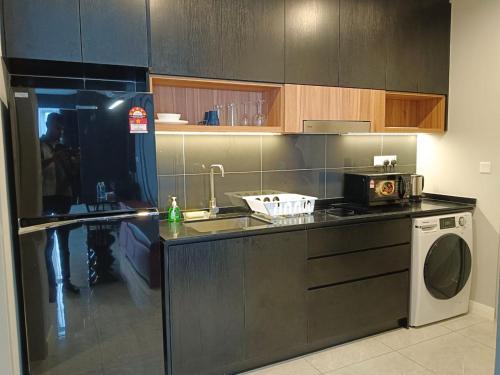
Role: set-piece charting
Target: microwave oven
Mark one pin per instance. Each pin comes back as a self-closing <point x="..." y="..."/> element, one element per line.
<point x="373" y="189"/>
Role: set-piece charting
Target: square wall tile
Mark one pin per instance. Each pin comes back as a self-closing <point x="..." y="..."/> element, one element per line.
<point x="334" y="183"/>
<point x="236" y="153"/>
<point x="293" y="152"/>
<point x="352" y="150"/>
<point x="404" y="146"/>
<point x="306" y="182"/>
<point x="198" y="188"/>
<point x="169" y="154"/>
<point x="170" y="186"/>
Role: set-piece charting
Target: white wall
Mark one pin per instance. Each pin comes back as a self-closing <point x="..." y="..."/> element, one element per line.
<point x="450" y="162"/>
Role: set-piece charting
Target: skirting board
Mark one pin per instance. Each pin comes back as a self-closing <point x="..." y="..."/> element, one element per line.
<point x="484" y="311"/>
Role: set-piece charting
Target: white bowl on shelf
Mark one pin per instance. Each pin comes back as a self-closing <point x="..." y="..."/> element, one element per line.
<point x="169" y="117"/>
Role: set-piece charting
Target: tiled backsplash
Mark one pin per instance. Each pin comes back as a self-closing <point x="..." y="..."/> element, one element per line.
<point x="306" y="164"/>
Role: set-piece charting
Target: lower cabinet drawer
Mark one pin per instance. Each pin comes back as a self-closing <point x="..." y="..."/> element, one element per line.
<point x="358" y="265"/>
<point x="348" y="311"/>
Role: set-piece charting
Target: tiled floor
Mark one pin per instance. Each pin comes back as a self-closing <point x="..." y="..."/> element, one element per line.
<point x="462" y="346"/>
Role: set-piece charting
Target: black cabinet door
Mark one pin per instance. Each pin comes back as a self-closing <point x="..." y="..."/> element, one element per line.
<point x="312" y="42"/>
<point x="253" y="40"/>
<point x="418" y="45"/>
<point x="357" y="309"/>
<point x="206" y="306"/>
<point x="186" y="37"/>
<point x="403" y="45"/>
<point x="43" y="30"/>
<point x="362" y="44"/>
<point x="114" y="32"/>
<point x="275" y="294"/>
<point x="435" y="16"/>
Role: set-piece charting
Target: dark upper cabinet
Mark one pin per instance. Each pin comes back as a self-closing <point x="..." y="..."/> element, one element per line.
<point x="403" y="47"/>
<point x="206" y="305"/>
<point x="275" y="294"/>
<point x="186" y="37"/>
<point x="435" y="17"/>
<point x="418" y="45"/>
<point x="362" y="53"/>
<point x="42" y="30"/>
<point x="253" y="40"/>
<point x="312" y="42"/>
<point x="114" y="32"/>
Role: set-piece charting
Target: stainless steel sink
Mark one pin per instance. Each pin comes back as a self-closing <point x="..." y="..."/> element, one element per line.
<point x="223" y="224"/>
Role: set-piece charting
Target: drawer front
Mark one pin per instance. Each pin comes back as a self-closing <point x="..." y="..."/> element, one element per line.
<point x="347" y="238"/>
<point x="358" y="265"/>
<point x="352" y="310"/>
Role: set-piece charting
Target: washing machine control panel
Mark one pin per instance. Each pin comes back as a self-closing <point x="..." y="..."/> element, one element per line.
<point x="448" y="222"/>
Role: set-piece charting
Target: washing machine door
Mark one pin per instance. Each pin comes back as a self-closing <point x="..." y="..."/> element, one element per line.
<point x="447" y="266"/>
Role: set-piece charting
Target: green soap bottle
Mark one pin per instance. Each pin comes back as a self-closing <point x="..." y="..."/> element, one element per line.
<point x="174" y="212"/>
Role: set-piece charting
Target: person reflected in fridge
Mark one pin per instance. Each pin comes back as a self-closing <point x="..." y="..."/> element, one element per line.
<point x="59" y="166"/>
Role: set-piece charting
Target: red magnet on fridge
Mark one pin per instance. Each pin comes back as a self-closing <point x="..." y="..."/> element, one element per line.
<point x="138" y="120"/>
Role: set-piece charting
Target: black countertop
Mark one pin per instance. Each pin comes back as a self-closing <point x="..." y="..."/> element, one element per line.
<point x="178" y="233"/>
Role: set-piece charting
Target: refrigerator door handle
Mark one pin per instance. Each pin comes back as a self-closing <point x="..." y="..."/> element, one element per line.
<point x="45" y="226"/>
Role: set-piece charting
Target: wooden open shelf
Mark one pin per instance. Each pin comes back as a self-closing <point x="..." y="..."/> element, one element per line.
<point x="410" y="112"/>
<point x="192" y="97"/>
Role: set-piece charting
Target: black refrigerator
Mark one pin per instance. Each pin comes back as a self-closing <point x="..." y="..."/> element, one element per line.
<point x="88" y="253"/>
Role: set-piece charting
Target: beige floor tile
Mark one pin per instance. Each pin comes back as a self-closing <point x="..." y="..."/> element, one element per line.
<point x="485" y="333"/>
<point x="345" y="355"/>
<point x="463" y="321"/>
<point x="402" y="338"/>
<point x="387" y="364"/>
<point x="453" y="354"/>
<point x="296" y="367"/>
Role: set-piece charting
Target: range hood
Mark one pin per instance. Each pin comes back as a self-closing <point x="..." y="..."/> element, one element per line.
<point x="336" y="127"/>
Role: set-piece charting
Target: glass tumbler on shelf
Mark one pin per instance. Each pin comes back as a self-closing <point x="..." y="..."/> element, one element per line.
<point x="245" y="116"/>
<point x="231" y="114"/>
<point x="221" y="113"/>
<point x="260" y="117"/>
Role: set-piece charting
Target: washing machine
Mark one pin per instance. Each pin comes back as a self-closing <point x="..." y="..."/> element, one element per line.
<point x="442" y="256"/>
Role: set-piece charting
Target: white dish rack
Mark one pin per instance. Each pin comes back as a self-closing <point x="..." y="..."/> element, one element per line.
<point x="275" y="205"/>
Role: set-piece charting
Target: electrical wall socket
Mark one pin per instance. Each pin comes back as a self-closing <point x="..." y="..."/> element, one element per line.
<point x="485" y="167"/>
<point x="378" y="161"/>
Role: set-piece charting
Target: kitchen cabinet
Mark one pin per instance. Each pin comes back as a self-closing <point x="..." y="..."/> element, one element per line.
<point x="304" y="102"/>
<point x="357" y="309"/>
<point x="42" y="30"/>
<point x="186" y="37"/>
<point x="114" y="32"/>
<point x="435" y="46"/>
<point x="275" y="294"/>
<point x="253" y="40"/>
<point x="240" y="303"/>
<point x="418" y="46"/>
<point x="206" y="294"/>
<point x="312" y="42"/>
<point x="362" y="55"/>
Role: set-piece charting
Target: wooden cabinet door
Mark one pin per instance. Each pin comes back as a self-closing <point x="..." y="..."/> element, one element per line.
<point x="304" y="102"/>
<point x="42" y="30"/>
<point x="186" y="37"/>
<point x="275" y="292"/>
<point x="435" y="16"/>
<point x="207" y="316"/>
<point x="114" y="32"/>
<point x="312" y="42"/>
<point x="362" y="44"/>
<point x="253" y="40"/>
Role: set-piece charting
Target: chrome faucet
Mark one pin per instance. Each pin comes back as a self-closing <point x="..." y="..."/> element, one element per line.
<point x="213" y="203"/>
